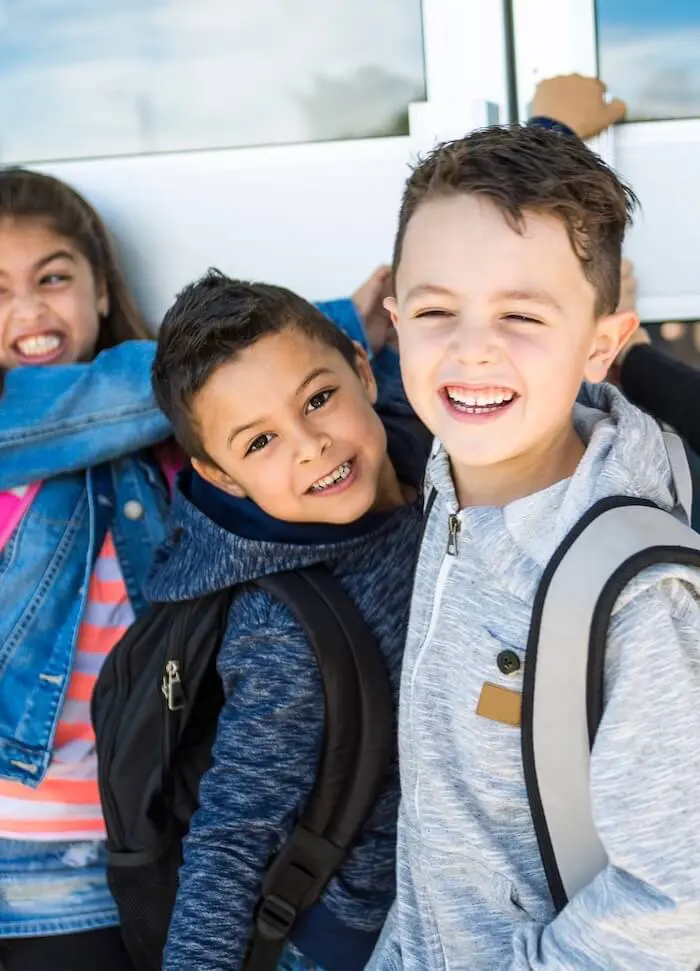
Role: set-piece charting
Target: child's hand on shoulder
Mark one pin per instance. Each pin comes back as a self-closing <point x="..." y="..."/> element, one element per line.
<point x="369" y="303"/>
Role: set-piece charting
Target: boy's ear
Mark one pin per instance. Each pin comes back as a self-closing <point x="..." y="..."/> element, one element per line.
<point x="365" y="373"/>
<point x="611" y="334"/>
<point x="217" y="477"/>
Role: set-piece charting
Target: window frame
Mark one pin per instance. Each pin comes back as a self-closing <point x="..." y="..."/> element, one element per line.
<point x="271" y="212"/>
<point x="449" y="76"/>
<point x="570" y="45"/>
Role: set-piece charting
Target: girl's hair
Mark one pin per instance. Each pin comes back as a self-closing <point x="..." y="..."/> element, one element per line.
<point x="28" y="195"/>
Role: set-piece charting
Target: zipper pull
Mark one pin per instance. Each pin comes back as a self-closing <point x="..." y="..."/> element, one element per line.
<point x="453" y="526"/>
<point x="172" y="686"/>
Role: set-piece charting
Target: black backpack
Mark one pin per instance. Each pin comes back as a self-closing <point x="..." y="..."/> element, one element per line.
<point x="155" y="711"/>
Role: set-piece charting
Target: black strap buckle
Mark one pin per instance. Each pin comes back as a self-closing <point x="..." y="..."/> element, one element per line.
<point x="275" y="918"/>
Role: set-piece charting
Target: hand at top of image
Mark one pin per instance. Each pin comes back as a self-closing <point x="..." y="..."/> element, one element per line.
<point x="579" y="103"/>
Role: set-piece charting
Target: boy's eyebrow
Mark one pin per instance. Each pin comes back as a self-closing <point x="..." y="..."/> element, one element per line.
<point x="311" y="376"/>
<point x="535" y="296"/>
<point x="235" y="432"/>
<point x="426" y="289"/>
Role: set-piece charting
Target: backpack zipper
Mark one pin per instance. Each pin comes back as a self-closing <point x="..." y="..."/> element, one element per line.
<point x="173" y="690"/>
<point x="171" y="686"/>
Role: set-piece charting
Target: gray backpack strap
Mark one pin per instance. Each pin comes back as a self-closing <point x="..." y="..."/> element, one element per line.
<point x="563" y="677"/>
<point x="680" y="471"/>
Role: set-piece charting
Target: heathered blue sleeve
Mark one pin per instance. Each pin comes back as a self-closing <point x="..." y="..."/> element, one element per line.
<point x="643" y="910"/>
<point x="265" y="758"/>
<point x="344" y="315"/>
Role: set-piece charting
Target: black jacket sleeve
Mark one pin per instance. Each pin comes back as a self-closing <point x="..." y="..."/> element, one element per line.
<point x="666" y="388"/>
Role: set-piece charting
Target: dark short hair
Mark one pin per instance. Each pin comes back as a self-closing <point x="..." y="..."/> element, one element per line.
<point x="27" y="196"/>
<point x="209" y="324"/>
<point x="528" y="169"/>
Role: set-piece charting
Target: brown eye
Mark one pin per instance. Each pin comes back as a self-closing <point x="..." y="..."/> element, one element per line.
<point x="259" y="443"/>
<point x="319" y="399"/>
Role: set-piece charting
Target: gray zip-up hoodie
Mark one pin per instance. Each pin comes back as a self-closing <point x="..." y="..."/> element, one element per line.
<point x="472" y="894"/>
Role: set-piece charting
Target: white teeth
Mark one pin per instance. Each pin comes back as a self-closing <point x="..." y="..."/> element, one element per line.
<point x="337" y="475"/>
<point x="38" y="345"/>
<point x="480" y="399"/>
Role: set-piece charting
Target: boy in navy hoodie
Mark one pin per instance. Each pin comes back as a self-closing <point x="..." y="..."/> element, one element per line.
<point x="292" y="466"/>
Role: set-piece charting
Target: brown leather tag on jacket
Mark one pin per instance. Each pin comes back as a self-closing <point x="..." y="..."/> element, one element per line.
<point x="499" y="704"/>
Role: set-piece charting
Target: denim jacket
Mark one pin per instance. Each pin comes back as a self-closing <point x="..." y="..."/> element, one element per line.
<point x="98" y="473"/>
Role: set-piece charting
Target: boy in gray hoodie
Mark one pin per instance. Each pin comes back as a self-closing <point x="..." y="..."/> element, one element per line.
<point x="507" y="274"/>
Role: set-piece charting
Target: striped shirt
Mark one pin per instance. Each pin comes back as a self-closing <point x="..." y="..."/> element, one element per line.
<point x="66" y="805"/>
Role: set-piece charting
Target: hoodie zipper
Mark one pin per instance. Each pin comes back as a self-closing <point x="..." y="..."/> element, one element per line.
<point x="454" y="526"/>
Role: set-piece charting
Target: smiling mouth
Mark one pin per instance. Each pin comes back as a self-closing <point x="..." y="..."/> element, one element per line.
<point x="37" y="348"/>
<point x="335" y="478"/>
<point x="486" y="401"/>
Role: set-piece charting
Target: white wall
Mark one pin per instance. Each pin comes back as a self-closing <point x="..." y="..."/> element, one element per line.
<point x="316" y="218"/>
<point x="661" y="161"/>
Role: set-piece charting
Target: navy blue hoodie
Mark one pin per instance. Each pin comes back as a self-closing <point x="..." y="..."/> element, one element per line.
<point x="271" y="728"/>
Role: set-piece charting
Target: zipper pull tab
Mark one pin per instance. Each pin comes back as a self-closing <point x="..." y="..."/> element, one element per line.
<point x="453" y="526"/>
<point x="172" y="687"/>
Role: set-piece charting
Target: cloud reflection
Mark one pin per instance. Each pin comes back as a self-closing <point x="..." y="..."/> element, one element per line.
<point x="90" y="77"/>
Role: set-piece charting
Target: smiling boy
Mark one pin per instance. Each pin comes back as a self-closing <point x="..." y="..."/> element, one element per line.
<point x="294" y="467"/>
<point x="507" y="276"/>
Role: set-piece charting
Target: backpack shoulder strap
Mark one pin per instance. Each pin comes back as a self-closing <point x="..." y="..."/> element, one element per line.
<point x="357" y="754"/>
<point x="680" y="471"/>
<point x="563" y="677"/>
